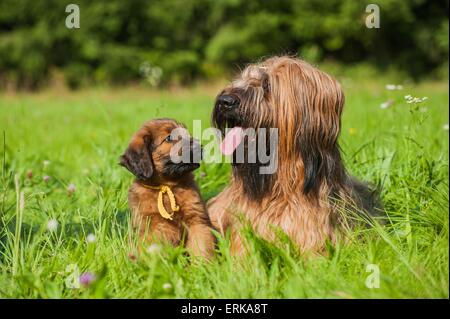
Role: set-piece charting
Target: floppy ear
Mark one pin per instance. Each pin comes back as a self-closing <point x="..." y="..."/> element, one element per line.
<point x="321" y="107"/>
<point x="137" y="158"/>
<point x="321" y="123"/>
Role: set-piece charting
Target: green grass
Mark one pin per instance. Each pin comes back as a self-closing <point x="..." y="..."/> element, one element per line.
<point x="403" y="149"/>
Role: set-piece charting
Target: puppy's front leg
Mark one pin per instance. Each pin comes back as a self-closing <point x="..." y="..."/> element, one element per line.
<point x="200" y="241"/>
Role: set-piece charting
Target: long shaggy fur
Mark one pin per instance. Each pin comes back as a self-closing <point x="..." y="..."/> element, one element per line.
<point x="310" y="187"/>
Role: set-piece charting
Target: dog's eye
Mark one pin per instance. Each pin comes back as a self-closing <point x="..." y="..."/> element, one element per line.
<point x="168" y="139"/>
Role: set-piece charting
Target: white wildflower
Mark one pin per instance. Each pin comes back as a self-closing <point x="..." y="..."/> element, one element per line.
<point x="391" y="87"/>
<point x="52" y="225"/>
<point x="386" y="104"/>
<point x="167" y="286"/>
<point x="153" y="248"/>
<point x="416" y="100"/>
<point x="71" y="189"/>
<point x="90" y="238"/>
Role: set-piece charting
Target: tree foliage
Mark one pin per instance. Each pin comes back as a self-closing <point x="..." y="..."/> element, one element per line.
<point x="190" y="39"/>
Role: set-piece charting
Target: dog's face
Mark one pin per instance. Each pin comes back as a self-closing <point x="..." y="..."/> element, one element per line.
<point x="246" y="102"/>
<point x="149" y="155"/>
<point x="303" y="103"/>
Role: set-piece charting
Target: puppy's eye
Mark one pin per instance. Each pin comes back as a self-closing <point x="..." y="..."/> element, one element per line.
<point x="168" y="139"/>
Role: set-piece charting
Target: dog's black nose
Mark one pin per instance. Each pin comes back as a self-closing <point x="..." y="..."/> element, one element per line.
<point x="226" y="101"/>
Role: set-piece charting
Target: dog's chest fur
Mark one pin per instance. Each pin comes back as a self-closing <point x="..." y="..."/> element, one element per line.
<point x="309" y="226"/>
<point x="148" y="220"/>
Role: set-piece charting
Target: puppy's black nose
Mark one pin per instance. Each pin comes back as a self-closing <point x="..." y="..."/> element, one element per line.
<point x="227" y="102"/>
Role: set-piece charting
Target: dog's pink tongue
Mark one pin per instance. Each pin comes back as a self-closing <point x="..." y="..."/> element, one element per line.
<point x="231" y="140"/>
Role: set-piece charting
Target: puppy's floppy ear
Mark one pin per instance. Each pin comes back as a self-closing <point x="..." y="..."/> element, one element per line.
<point x="137" y="158"/>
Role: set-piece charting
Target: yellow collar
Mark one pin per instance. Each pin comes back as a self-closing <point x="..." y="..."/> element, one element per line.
<point x="173" y="204"/>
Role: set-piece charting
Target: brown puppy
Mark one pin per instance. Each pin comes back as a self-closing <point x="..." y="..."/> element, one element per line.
<point x="164" y="199"/>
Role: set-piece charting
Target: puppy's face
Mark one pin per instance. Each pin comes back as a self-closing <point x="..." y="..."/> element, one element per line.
<point x="158" y="151"/>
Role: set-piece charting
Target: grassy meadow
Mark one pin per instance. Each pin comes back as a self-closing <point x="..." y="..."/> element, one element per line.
<point x="64" y="214"/>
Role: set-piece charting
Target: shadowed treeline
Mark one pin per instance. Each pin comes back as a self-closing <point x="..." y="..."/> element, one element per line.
<point x="178" y="41"/>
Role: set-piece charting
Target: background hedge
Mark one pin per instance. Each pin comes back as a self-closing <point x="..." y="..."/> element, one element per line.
<point x="177" y="41"/>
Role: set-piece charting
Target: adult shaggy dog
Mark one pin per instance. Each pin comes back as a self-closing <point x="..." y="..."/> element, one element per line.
<point x="310" y="194"/>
